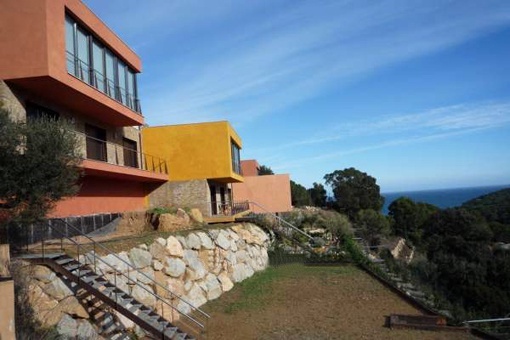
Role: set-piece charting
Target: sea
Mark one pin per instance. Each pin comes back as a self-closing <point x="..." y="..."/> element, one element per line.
<point x="442" y="198"/>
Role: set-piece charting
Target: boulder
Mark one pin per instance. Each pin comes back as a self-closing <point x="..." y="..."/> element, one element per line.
<point x="214" y="288"/>
<point x="157" y="265"/>
<point x="143" y="294"/>
<point x="174" y="246"/>
<point x="182" y="214"/>
<point x="57" y="289"/>
<point x="196" y="296"/>
<point x="205" y="241"/>
<point x="241" y="256"/>
<point x="111" y="263"/>
<point x="222" y="240"/>
<point x="240" y="272"/>
<point x="176" y="286"/>
<point x="43" y="274"/>
<point x="193" y="241"/>
<point x="70" y="305"/>
<point x="196" y="267"/>
<point x="67" y="327"/>
<point x="146" y="276"/>
<point x="43" y="306"/>
<point x="170" y="222"/>
<point x="158" y="250"/>
<point x="174" y="267"/>
<point x="86" y="331"/>
<point x="143" y="246"/>
<point x="196" y="215"/>
<point x="140" y="258"/>
<point x="226" y="283"/>
<point x="161" y="241"/>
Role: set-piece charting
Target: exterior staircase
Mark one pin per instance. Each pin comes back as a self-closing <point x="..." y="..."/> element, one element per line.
<point x="82" y="276"/>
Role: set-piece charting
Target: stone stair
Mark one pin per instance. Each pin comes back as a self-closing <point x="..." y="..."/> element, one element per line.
<point x="101" y="289"/>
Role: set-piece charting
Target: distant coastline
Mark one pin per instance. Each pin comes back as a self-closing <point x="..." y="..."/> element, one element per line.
<point x="442" y="198"/>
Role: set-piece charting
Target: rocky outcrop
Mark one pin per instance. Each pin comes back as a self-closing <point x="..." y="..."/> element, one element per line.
<point x="195" y="268"/>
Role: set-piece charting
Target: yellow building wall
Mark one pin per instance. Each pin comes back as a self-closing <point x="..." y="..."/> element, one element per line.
<point x="194" y="151"/>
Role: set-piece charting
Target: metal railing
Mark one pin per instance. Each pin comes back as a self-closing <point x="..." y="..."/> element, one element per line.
<point x="228" y="208"/>
<point x="113" y="153"/>
<point x="496" y="327"/>
<point x="194" y="322"/>
<point x="82" y="70"/>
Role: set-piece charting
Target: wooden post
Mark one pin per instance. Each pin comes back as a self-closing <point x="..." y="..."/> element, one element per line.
<point x="5" y="260"/>
<point x="7" y="330"/>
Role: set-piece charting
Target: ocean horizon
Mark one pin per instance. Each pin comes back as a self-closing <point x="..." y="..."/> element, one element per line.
<point x="442" y="198"/>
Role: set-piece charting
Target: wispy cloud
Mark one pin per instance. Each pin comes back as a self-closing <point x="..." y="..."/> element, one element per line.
<point x="229" y="60"/>
<point x="449" y="118"/>
<point x="397" y="130"/>
<point x="269" y="62"/>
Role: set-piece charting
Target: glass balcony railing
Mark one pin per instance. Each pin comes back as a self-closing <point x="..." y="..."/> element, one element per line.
<point x="117" y="154"/>
<point x="83" y="71"/>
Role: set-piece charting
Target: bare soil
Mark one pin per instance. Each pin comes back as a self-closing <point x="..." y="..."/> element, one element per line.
<point x="300" y="302"/>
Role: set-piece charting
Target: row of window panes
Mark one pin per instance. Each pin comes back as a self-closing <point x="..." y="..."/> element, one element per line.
<point x="236" y="158"/>
<point x="96" y="65"/>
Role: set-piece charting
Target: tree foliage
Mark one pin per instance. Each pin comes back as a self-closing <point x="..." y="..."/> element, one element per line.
<point x="354" y="191"/>
<point x="299" y="195"/>
<point x="408" y="218"/>
<point x="38" y="166"/>
<point x="372" y="226"/>
<point x="318" y="195"/>
<point x="462" y="264"/>
<point x="265" y="170"/>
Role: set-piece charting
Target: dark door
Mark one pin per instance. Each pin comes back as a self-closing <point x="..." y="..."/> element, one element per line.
<point x="214" y="205"/>
<point x="96" y="142"/>
<point x="130" y="153"/>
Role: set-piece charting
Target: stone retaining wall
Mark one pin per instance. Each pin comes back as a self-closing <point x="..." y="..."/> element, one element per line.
<point x="197" y="267"/>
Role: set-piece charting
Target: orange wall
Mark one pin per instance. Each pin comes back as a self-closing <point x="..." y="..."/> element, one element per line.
<point x="102" y="195"/>
<point x="33" y="37"/>
<point x="33" y="56"/>
<point x="272" y="192"/>
<point x="250" y="167"/>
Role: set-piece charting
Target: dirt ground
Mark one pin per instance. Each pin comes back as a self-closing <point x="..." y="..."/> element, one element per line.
<point x="299" y="302"/>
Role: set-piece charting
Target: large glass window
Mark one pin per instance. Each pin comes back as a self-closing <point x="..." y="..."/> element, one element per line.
<point x="98" y="62"/>
<point x="83" y="56"/>
<point x="70" y="46"/>
<point x="96" y="65"/>
<point x="236" y="158"/>
<point x="110" y="73"/>
<point x="131" y="86"/>
<point x="121" y="73"/>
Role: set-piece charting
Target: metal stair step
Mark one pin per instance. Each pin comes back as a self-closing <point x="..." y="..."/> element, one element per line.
<point x="180" y="336"/>
<point x="81" y="272"/>
<point x="134" y="308"/>
<point x="171" y="331"/>
<point x="73" y="266"/>
<point x="64" y="260"/>
<point x="89" y="278"/>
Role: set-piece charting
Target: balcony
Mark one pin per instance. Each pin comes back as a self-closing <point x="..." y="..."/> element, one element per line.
<point x="227" y="211"/>
<point x="106" y="159"/>
<point x="81" y="70"/>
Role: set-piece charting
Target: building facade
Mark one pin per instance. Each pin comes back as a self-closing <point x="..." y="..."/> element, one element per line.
<point x="204" y="159"/>
<point x="266" y="193"/>
<point x="60" y="60"/>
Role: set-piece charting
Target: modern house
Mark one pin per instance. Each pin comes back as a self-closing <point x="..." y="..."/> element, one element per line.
<point x="59" y="59"/>
<point x="266" y="193"/>
<point x="204" y="159"/>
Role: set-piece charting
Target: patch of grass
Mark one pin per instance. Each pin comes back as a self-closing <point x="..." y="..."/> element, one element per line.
<point x="253" y="293"/>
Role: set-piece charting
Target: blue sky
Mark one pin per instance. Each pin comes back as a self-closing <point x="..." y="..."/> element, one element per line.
<point x="415" y="93"/>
